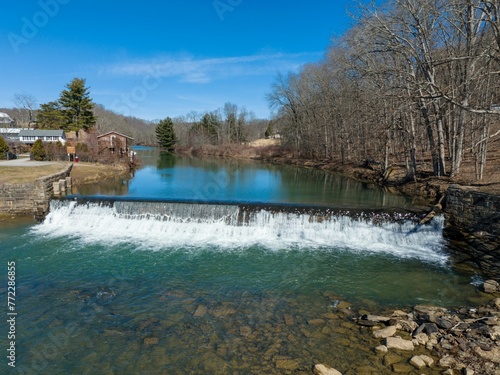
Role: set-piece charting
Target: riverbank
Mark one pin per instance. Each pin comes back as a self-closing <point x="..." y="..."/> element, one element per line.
<point x="26" y="187"/>
<point x="87" y="173"/>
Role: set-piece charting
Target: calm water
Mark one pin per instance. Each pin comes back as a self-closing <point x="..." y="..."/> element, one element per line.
<point x="172" y="177"/>
<point x="102" y="292"/>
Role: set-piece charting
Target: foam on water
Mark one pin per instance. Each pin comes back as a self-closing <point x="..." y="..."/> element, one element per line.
<point x="221" y="227"/>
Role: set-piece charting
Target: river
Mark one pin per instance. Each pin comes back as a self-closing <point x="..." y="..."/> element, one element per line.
<point x="202" y="284"/>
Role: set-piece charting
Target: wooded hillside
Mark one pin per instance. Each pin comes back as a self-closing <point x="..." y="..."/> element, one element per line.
<point x="413" y="82"/>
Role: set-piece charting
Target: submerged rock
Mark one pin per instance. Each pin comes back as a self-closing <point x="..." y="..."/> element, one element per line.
<point x="200" y="311"/>
<point x="325" y="370"/>
<point x="151" y="341"/>
<point x="287" y="364"/>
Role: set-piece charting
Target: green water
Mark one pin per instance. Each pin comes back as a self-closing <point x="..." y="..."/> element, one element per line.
<point x="90" y="301"/>
<point x="174" y="177"/>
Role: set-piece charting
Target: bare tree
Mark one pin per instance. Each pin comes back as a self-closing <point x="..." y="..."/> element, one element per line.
<point x="25" y="103"/>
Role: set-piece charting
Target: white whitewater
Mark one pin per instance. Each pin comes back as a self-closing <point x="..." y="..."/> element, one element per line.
<point x="220" y="227"/>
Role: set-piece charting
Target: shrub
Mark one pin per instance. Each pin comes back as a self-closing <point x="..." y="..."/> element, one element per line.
<point x="4" y="148"/>
<point x="38" y="150"/>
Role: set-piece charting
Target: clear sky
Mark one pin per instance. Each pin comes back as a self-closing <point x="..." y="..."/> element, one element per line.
<point x="153" y="59"/>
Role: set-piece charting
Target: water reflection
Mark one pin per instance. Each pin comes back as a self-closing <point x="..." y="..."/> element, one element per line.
<point x="118" y="186"/>
<point x="166" y="176"/>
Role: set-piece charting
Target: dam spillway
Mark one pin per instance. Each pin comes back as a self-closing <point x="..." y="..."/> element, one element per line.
<point x="161" y="225"/>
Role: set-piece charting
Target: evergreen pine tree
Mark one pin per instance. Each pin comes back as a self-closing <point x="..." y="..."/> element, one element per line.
<point x="38" y="150"/>
<point x="50" y="116"/>
<point x="4" y="148"/>
<point x="270" y="130"/>
<point x="77" y="106"/>
<point x="165" y="134"/>
<point x="211" y="123"/>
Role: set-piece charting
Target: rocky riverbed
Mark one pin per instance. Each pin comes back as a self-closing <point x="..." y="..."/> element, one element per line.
<point x="463" y="341"/>
<point x="260" y="333"/>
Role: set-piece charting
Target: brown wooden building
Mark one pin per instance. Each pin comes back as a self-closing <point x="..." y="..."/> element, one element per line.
<point x="115" y="143"/>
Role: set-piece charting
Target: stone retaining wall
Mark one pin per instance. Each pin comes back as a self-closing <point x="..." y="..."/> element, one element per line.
<point x="473" y="217"/>
<point x="30" y="198"/>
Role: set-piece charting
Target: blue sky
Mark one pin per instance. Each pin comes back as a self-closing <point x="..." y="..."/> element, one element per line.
<point x="153" y="59"/>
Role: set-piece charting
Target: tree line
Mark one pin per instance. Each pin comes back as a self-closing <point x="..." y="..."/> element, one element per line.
<point x="75" y="110"/>
<point x="227" y="125"/>
<point x="412" y="81"/>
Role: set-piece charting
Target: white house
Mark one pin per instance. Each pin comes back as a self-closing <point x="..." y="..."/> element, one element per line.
<point x="30" y="136"/>
<point x="10" y="133"/>
<point x="5" y="119"/>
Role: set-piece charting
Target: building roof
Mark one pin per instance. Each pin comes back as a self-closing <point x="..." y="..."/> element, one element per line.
<point x="5" y="118"/>
<point x="10" y="130"/>
<point x="41" y="133"/>
<point x="113" y="132"/>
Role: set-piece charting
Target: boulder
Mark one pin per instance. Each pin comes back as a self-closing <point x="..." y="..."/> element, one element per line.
<point x="447" y="361"/>
<point x="399" y="314"/>
<point x="376" y="318"/>
<point x="496" y="302"/>
<point x="428" y="360"/>
<point x="325" y="370"/>
<point x="431" y="343"/>
<point x="367" y="323"/>
<point x="417" y="362"/>
<point x="382" y="349"/>
<point x="385" y="332"/>
<point x="429" y="310"/>
<point x="428" y="328"/>
<point x="407" y="325"/>
<point x="420" y="339"/>
<point x="399" y="344"/>
<point x="492" y="355"/>
<point x="491" y="286"/>
<point x="444" y="323"/>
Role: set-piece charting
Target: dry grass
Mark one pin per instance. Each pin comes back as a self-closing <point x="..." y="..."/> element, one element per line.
<point x="264" y="142"/>
<point x="81" y="173"/>
<point x="19" y="175"/>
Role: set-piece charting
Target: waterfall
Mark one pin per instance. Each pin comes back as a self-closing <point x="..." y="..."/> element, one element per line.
<point x="168" y="225"/>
